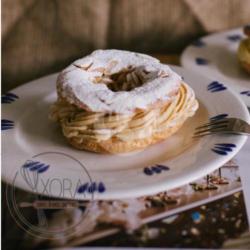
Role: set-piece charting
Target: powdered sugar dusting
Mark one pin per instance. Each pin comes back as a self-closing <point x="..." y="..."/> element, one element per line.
<point x="78" y="86"/>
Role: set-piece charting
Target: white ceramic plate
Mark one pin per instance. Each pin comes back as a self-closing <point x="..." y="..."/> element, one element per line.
<point x="215" y="56"/>
<point x="55" y="166"/>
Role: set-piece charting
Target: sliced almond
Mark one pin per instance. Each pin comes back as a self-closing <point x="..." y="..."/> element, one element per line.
<point x="84" y="67"/>
<point x="112" y="64"/>
<point x="100" y="69"/>
<point x="163" y="74"/>
<point x="97" y="79"/>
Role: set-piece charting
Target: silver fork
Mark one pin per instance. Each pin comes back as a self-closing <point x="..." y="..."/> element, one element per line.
<point x="223" y="126"/>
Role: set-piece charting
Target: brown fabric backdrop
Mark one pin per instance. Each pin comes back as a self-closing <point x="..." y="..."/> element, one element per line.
<point x="43" y="36"/>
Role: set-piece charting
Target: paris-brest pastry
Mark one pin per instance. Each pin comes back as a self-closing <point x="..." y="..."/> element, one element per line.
<point x="244" y="50"/>
<point x="114" y="101"/>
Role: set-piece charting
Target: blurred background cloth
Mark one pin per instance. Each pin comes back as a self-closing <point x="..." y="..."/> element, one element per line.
<point x="43" y="36"/>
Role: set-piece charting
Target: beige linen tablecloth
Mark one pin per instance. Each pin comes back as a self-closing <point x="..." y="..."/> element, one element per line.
<point x="42" y="36"/>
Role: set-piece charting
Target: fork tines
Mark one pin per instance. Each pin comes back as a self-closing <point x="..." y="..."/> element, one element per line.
<point x="211" y="127"/>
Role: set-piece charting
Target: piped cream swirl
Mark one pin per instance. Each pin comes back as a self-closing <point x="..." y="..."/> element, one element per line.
<point x="82" y="125"/>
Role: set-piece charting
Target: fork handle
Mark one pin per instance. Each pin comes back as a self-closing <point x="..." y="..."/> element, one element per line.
<point x="245" y="128"/>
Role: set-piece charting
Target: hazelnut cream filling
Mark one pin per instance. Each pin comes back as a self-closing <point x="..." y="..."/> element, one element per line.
<point x="79" y="125"/>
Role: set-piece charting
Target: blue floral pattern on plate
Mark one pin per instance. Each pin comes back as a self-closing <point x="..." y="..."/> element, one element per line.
<point x="247" y="93"/>
<point x="156" y="169"/>
<point x="223" y="148"/>
<point x="218" y="117"/>
<point x="37" y="166"/>
<point x="216" y="86"/>
<point x="6" y="124"/>
<point x="9" y="98"/>
<point x="234" y="37"/>
<point x="91" y="187"/>
<point x="201" y="61"/>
